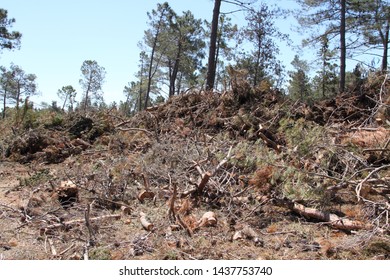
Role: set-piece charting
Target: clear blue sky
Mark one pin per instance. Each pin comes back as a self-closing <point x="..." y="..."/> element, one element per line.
<point x="58" y="35"/>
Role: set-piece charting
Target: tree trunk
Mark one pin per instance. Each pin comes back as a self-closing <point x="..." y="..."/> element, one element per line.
<point x="87" y="93"/>
<point x="175" y="70"/>
<point x="385" y="48"/>
<point x="212" y="50"/>
<point x="218" y="46"/>
<point x="323" y="77"/>
<point x="343" y="48"/>
<point x="150" y="71"/>
<point x="257" y="66"/>
<point x="141" y="80"/>
<point x="4" y="102"/>
<point x="150" y="76"/>
<point x="179" y="83"/>
<point x="17" y="98"/>
<point x="66" y="99"/>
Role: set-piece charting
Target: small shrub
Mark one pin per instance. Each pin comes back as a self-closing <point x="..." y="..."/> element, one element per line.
<point x="100" y="254"/>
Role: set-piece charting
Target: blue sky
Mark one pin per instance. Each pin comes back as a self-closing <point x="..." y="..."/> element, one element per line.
<point x="59" y="35"/>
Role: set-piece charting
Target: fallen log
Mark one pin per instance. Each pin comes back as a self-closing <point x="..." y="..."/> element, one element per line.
<point x="332" y="219"/>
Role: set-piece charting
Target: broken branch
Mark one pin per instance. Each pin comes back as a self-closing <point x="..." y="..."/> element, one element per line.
<point x="184" y="225"/>
<point x="69" y="223"/>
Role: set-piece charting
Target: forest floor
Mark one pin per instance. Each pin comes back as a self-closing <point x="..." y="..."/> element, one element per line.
<point x="247" y="174"/>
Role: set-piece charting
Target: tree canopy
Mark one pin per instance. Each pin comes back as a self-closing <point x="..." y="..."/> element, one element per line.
<point x="8" y="39"/>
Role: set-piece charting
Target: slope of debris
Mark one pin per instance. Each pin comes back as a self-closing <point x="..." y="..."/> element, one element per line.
<point x="249" y="173"/>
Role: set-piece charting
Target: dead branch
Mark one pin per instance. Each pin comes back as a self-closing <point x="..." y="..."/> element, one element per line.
<point x="171" y="211"/>
<point x="385" y="148"/>
<point x="118" y="203"/>
<point x="10" y="208"/>
<point x="67" y="249"/>
<point x="78" y="221"/>
<point x="146" y="182"/>
<point x="52" y="248"/>
<point x="91" y="236"/>
<point x="205" y="176"/>
<point x="86" y="252"/>
<point x="222" y="162"/>
<point x="123" y="123"/>
<point x="135" y="129"/>
<point x="366" y="129"/>
<point x="271" y="143"/>
<point x="375" y="150"/>
<point x="203" y="181"/>
<point x="360" y="185"/>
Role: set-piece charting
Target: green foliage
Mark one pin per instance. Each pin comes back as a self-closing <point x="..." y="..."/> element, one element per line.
<point x="249" y="156"/>
<point x="68" y="95"/>
<point x="299" y="86"/>
<point x="297" y="185"/>
<point x="261" y="32"/>
<point x="177" y="47"/>
<point x="227" y="32"/>
<point x="100" y="254"/>
<point x="8" y="39"/>
<point x="377" y="247"/>
<point x="133" y="101"/>
<point x="56" y="120"/>
<point x="301" y="135"/>
<point x="31" y="119"/>
<point x="16" y="85"/>
<point x="326" y="82"/>
<point x="372" y="19"/>
<point x="92" y="82"/>
<point x="171" y="255"/>
<point x="37" y="178"/>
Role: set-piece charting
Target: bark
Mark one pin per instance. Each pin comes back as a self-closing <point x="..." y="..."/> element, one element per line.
<point x="4" y="102"/>
<point x="150" y="71"/>
<point x="66" y="99"/>
<point x="150" y="76"/>
<point x="333" y="220"/>
<point x="140" y="88"/>
<point x="213" y="45"/>
<point x="87" y="92"/>
<point x="258" y="57"/>
<point x="385" y="48"/>
<point x="343" y="48"/>
<point x="218" y="47"/>
<point x="175" y="70"/>
<point x="18" y="93"/>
